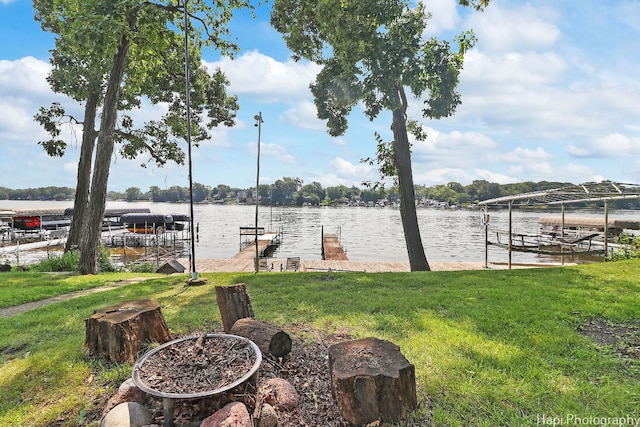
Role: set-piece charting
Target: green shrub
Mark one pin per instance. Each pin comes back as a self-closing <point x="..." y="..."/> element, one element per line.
<point x="68" y="261"/>
<point x="630" y="249"/>
<point x="145" y="267"/>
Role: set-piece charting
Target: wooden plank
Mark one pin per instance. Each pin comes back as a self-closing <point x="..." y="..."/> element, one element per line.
<point x="332" y="249"/>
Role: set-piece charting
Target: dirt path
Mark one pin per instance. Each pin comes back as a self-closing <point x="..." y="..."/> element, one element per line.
<point x="17" y="309"/>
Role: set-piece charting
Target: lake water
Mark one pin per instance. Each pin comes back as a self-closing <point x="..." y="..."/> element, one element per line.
<point x="366" y="233"/>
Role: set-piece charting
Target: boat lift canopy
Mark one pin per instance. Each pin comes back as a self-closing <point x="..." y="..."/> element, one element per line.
<point x="604" y="191"/>
<point x="587" y="192"/>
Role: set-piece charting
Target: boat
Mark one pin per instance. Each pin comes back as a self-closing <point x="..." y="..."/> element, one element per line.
<point x="112" y="217"/>
<point x="579" y="227"/>
<point x="33" y="220"/>
<point x="146" y="223"/>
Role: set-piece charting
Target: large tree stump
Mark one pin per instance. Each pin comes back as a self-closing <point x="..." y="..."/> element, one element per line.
<point x="371" y="380"/>
<point x="270" y="339"/>
<point x="119" y="332"/>
<point x="234" y="303"/>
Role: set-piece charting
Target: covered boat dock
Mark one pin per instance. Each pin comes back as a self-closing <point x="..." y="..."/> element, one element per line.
<point x="567" y="233"/>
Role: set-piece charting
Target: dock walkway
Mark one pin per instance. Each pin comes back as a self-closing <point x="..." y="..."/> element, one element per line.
<point x="266" y="240"/>
<point x="332" y="249"/>
<point x="247" y="265"/>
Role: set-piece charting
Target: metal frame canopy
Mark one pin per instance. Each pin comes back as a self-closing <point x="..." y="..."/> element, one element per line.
<point x="587" y="192"/>
<point x="604" y="191"/>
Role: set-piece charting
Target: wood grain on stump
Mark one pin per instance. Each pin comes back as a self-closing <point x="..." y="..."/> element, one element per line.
<point x="119" y="332"/>
<point x="371" y="380"/>
<point x="234" y="303"/>
<point x="270" y="339"/>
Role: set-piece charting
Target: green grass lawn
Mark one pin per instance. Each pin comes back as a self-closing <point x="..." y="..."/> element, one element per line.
<point x="491" y="348"/>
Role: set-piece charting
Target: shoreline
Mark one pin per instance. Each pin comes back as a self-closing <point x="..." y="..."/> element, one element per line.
<point x="364" y="266"/>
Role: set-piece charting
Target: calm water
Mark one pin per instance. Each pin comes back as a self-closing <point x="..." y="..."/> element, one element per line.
<point x="365" y="233"/>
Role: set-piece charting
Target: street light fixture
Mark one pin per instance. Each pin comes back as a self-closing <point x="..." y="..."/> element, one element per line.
<point x="194" y="272"/>
<point x="258" y="124"/>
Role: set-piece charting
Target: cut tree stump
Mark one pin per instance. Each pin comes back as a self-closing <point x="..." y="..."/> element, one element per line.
<point x="234" y="303"/>
<point x="119" y="332"/>
<point x="270" y="339"/>
<point x="372" y="381"/>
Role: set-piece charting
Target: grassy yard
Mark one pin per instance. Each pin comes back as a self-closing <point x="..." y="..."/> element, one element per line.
<point x="491" y="348"/>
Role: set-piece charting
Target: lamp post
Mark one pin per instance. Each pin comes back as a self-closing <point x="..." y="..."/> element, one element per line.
<point x="194" y="272"/>
<point x="258" y="124"/>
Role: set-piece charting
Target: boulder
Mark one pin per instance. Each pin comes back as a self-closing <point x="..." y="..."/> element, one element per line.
<point x="278" y="393"/>
<point x="128" y="414"/>
<point x="127" y="392"/>
<point x="234" y="414"/>
<point x="268" y="416"/>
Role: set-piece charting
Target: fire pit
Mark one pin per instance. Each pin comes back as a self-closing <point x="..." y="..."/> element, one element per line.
<point x="196" y="367"/>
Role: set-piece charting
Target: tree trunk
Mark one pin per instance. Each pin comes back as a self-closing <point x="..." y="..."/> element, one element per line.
<point x="372" y="381"/>
<point x="270" y="339"/>
<point x="417" y="258"/>
<point x="92" y="226"/>
<point x="234" y="303"/>
<point x="84" y="171"/>
<point x="118" y="332"/>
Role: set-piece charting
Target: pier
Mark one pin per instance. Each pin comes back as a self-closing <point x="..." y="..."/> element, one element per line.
<point x="267" y="241"/>
<point x="332" y="249"/>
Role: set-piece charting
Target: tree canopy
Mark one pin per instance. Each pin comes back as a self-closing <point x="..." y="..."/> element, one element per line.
<point x="373" y="52"/>
<point x="114" y="55"/>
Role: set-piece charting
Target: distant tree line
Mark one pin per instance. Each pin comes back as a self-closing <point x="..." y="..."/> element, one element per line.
<point x="293" y="192"/>
<point x="42" y="193"/>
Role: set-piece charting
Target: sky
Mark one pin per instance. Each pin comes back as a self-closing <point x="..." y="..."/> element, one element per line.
<point x="550" y="91"/>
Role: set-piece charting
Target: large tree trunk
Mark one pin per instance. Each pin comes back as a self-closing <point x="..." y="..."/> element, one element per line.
<point x="84" y="171"/>
<point x="92" y="226"/>
<point x="417" y="258"/>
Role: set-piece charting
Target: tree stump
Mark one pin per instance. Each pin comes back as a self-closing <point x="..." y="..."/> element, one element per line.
<point x="119" y="332"/>
<point x="371" y="380"/>
<point x="234" y="303"/>
<point x="270" y="339"/>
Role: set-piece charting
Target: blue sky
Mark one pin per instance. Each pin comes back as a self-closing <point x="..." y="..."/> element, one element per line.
<point x="550" y="92"/>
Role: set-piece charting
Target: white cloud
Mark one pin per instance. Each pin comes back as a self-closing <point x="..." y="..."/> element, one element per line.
<point x="505" y="29"/>
<point x="261" y="76"/>
<point x="613" y="145"/>
<point x="304" y="115"/>
<point x="444" y="16"/>
<point x="346" y="169"/>
<point x="462" y="175"/>
<point x="456" y="149"/>
<point x="524" y="155"/>
<point x="24" y="77"/>
<point x="274" y="151"/>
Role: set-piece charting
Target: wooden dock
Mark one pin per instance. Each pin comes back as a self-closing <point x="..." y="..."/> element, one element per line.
<point x="332" y="249"/>
<point x="266" y="241"/>
<point x="247" y="265"/>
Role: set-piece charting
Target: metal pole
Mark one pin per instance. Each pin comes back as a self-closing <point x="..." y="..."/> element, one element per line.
<point x="258" y="119"/>
<point x="485" y="220"/>
<point x="606" y="228"/>
<point x="510" y="231"/>
<point x="194" y="272"/>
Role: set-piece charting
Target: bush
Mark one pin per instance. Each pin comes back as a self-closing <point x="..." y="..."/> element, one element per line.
<point x="145" y="267"/>
<point x="68" y="261"/>
<point x="630" y="249"/>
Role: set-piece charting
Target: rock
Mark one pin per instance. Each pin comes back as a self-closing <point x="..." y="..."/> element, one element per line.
<point x="128" y="414"/>
<point x="5" y="268"/>
<point x="127" y="392"/>
<point x="234" y="414"/>
<point x="279" y="393"/>
<point x="268" y="417"/>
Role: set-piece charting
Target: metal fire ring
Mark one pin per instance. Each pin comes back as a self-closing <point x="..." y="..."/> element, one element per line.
<point x="158" y="393"/>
